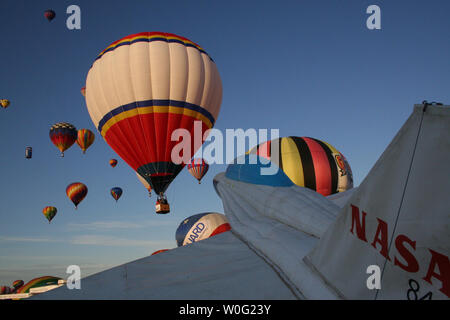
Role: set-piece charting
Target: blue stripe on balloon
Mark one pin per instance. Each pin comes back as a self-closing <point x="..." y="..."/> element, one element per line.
<point x="154" y="103"/>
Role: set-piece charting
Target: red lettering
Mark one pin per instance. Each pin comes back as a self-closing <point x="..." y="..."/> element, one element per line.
<point x="360" y="227"/>
<point x="382" y="230"/>
<point x="412" y="264"/>
<point x="443" y="264"/>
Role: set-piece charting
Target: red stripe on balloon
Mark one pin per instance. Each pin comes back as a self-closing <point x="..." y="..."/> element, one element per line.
<point x="322" y="168"/>
<point x="151" y="137"/>
<point x="222" y="228"/>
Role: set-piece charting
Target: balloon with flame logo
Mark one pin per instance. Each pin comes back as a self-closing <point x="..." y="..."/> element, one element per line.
<point x="201" y="226"/>
<point x="309" y="163"/>
<point x="142" y="88"/>
<point x="76" y="192"/>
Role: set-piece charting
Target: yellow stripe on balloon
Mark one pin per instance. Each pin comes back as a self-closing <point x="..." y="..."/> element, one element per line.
<point x="292" y="164"/>
<point x="154" y="109"/>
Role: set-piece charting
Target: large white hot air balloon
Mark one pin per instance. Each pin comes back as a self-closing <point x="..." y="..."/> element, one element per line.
<point x="143" y="87"/>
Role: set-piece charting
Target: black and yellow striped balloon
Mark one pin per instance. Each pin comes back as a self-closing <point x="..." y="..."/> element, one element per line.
<point x="309" y="163"/>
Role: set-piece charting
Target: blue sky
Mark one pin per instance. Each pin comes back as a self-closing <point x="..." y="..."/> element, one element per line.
<point x="307" y="68"/>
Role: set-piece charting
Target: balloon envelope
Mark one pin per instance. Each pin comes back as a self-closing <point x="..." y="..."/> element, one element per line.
<point x="17" y="284"/>
<point x="143" y="87"/>
<point x="201" y="226"/>
<point x="76" y="192"/>
<point x="85" y="139"/>
<point x="4" y="103"/>
<point x="113" y="162"/>
<point x="49" y="212"/>
<point x="116" y="193"/>
<point x="144" y="182"/>
<point x="309" y="163"/>
<point x="63" y="135"/>
<point x="159" y="251"/>
<point x="49" y="14"/>
<point x="38" y="282"/>
<point x="28" y="152"/>
<point x="198" y="168"/>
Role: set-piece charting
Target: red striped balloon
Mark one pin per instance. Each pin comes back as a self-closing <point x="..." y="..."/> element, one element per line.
<point x="76" y="192"/>
<point x="63" y="135"/>
<point x="85" y="139"/>
<point x="198" y="168"/>
<point x="310" y="163"/>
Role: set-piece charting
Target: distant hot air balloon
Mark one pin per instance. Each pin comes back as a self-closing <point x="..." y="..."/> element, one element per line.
<point x="145" y="183"/>
<point x="17" y="284"/>
<point x="116" y="193"/>
<point x="28" y="152"/>
<point x="49" y="212"/>
<point x="198" y="168"/>
<point x="143" y="87"/>
<point x="63" y="136"/>
<point x="201" y="226"/>
<point x="4" y="103"/>
<point x="76" y="192"/>
<point x="39" y="282"/>
<point x="83" y="91"/>
<point x="310" y="163"/>
<point x="113" y="162"/>
<point x="85" y="139"/>
<point x="49" y="14"/>
<point x="159" y="251"/>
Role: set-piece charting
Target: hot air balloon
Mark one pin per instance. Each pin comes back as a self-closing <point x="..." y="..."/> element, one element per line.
<point x="49" y="212"/>
<point x="143" y="87"/>
<point x="159" y="251"/>
<point x="83" y="91"/>
<point x="198" y="168"/>
<point x="76" y="192"/>
<point x="63" y="136"/>
<point x="39" y="282"/>
<point x="113" y="162"/>
<point x="4" y="103"/>
<point x="17" y="284"/>
<point x="145" y="183"/>
<point x="116" y="192"/>
<point x="85" y="139"/>
<point x="49" y="14"/>
<point x="310" y="163"/>
<point x="28" y="152"/>
<point x="201" y="226"/>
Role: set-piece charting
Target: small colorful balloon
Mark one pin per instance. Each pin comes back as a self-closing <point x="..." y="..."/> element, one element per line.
<point x="49" y="14"/>
<point x="198" y="168"/>
<point x="49" y="212"/>
<point x="113" y="162"/>
<point x="85" y="139"/>
<point x="28" y="152"/>
<point x="76" y="192"/>
<point x="116" y="192"/>
<point x="63" y="135"/>
<point x="4" y="103"/>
